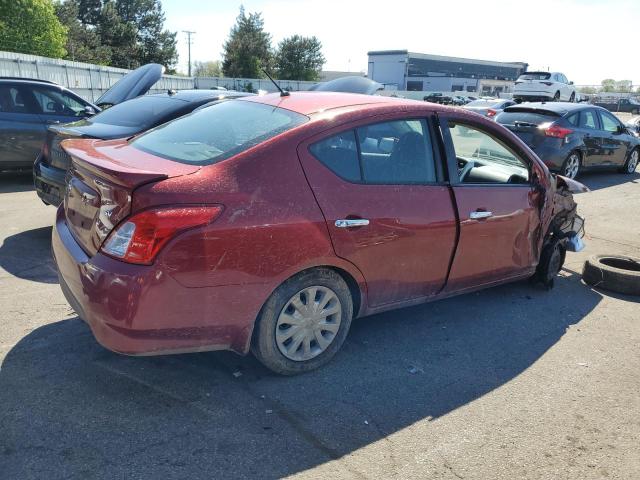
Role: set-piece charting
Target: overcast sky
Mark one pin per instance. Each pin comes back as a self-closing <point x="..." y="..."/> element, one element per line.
<point x="588" y="40"/>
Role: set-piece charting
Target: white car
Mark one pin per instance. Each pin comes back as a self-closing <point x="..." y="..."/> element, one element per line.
<point x="544" y="86"/>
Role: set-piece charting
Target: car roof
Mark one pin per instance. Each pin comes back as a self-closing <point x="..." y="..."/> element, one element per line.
<point x="197" y="95"/>
<point x="308" y="103"/>
<point x="29" y="80"/>
<point x="561" y="108"/>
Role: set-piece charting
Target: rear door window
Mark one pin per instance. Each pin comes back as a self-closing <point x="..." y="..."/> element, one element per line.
<point x="574" y="119"/>
<point x="588" y="120"/>
<point x="393" y="153"/>
<point x="14" y="99"/>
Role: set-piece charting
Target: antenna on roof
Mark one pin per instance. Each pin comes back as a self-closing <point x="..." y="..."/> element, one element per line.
<point x="283" y="93"/>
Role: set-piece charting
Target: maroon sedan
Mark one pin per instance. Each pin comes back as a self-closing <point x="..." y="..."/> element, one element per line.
<point x="268" y="223"/>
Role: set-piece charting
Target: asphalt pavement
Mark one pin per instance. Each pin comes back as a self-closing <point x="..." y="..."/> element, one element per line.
<point x="513" y="382"/>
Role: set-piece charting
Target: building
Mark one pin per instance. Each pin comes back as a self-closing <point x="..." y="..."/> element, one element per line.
<point x="404" y="70"/>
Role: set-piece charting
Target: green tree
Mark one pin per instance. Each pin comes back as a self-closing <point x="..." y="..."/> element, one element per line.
<point x="154" y="43"/>
<point x="31" y="26"/>
<point x="623" y="86"/>
<point x="207" y="69"/>
<point x="608" y="85"/>
<point x="299" y="58"/>
<point x="587" y="90"/>
<point x="120" y="36"/>
<point x="248" y="48"/>
<point x="83" y="41"/>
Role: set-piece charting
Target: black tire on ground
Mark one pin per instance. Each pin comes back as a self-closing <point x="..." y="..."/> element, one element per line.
<point x="556" y="97"/>
<point x="572" y="98"/>
<point x="264" y="345"/>
<point x="631" y="162"/>
<point x="616" y="273"/>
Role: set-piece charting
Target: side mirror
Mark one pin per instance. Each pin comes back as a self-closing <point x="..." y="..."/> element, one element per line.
<point x="570" y="83"/>
<point x="621" y="129"/>
<point x="89" y="111"/>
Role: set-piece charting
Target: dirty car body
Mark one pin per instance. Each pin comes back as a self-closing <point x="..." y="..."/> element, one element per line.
<point x="404" y="202"/>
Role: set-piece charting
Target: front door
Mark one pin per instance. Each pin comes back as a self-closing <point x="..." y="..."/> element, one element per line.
<point x="387" y="210"/>
<point x="497" y="206"/>
<point x="614" y="146"/>
<point x="21" y="128"/>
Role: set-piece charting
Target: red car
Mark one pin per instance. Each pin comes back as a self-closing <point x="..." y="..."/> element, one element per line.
<point x="267" y="223"/>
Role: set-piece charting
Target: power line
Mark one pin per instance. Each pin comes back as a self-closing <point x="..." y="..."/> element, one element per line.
<point x="189" y="42"/>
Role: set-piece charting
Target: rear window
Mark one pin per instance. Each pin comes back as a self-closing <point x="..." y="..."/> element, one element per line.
<point x="509" y="117"/>
<point x="535" y="76"/>
<point x="141" y="111"/>
<point x="483" y="103"/>
<point x="217" y="132"/>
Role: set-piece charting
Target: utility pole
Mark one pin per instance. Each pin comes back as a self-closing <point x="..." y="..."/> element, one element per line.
<point x="189" y="33"/>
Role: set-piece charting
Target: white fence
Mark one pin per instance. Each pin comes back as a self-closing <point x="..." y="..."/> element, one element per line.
<point x="87" y="80"/>
<point x="90" y="81"/>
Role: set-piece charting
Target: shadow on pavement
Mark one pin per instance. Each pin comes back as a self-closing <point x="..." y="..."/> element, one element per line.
<point x="606" y="178"/>
<point x="16" y="182"/>
<point x="28" y="255"/>
<point x="71" y="409"/>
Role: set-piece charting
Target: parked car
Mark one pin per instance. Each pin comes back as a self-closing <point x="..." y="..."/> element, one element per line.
<point x="628" y="105"/>
<point x="439" y="98"/>
<point x="489" y="108"/>
<point x="571" y="137"/>
<point x="633" y="124"/>
<point x="541" y="86"/>
<point x="28" y="106"/>
<point x="350" y="84"/>
<point x="120" y="121"/>
<point x="267" y="223"/>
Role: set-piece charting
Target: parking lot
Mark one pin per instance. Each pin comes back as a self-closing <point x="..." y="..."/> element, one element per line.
<point x="511" y="382"/>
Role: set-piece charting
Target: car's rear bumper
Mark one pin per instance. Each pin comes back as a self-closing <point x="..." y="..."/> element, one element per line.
<point x="142" y="310"/>
<point x="49" y="182"/>
<point x="553" y="156"/>
<point x="533" y="96"/>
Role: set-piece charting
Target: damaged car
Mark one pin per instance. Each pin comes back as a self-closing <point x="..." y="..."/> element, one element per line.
<point x="268" y="223"/>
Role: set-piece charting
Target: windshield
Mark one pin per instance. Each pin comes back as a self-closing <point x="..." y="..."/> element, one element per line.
<point x="140" y="112"/>
<point x="217" y="132"/>
<point x="535" y="76"/>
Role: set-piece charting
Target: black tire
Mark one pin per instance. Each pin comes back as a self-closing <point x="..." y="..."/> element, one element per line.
<point x="572" y="98"/>
<point x="556" y="97"/>
<point x="551" y="261"/>
<point x="616" y="273"/>
<point x="569" y="160"/>
<point x="264" y="345"/>
<point x="632" y="158"/>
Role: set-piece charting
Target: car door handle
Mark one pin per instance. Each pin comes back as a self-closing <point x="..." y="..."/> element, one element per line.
<point x="351" y="222"/>
<point x="477" y="215"/>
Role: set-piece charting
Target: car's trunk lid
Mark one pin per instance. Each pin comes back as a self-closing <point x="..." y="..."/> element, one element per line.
<point x="525" y="123"/>
<point x="100" y="182"/>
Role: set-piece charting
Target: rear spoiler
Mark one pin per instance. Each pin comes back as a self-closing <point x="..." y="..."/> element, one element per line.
<point x="541" y="111"/>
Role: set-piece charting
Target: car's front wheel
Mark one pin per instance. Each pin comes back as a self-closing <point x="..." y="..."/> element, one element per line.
<point x="572" y="98"/>
<point x="631" y="163"/>
<point x="556" y="97"/>
<point x="571" y="166"/>
<point x="304" y="322"/>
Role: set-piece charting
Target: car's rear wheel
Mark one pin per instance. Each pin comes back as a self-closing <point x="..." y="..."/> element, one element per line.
<point x="572" y="98"/>
<point x="631" y="163"/>
<point x="571" y="166"/>
<point x="304" y="322"/>
<point x="556" y="97"/>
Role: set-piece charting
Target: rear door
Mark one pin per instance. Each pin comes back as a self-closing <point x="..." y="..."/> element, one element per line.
<point x="592" y="136"/>
<point x="497" y="205"/>
<point x="614" y="146"/>
<point x="21" y="128"/>
<point x="380" y="187"/>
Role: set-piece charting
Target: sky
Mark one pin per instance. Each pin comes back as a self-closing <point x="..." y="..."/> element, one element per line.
<point x="587" y="40"/>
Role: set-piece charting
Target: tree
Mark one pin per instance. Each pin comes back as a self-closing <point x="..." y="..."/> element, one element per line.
<point x="83" y="42"/>
<point x="587" y="90"/>
<point x="120" y="36"/>
<point x="608" y="85"/>
<point x="31" y="26"/>
<point x="207" y="69"/>
<point x="623" y="86"/>
<point x="299" y="58"/>
<point x="248" y="48"/>
<point x="154" y="44"/>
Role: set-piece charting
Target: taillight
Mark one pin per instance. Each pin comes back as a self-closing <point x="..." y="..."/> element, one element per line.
<point x="491" y="112"/>
<point x="555" y="131"/>
<point x="140" y="238"/>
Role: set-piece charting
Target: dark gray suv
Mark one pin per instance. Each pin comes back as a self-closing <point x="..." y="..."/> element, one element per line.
<point x="27" y="107"/>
